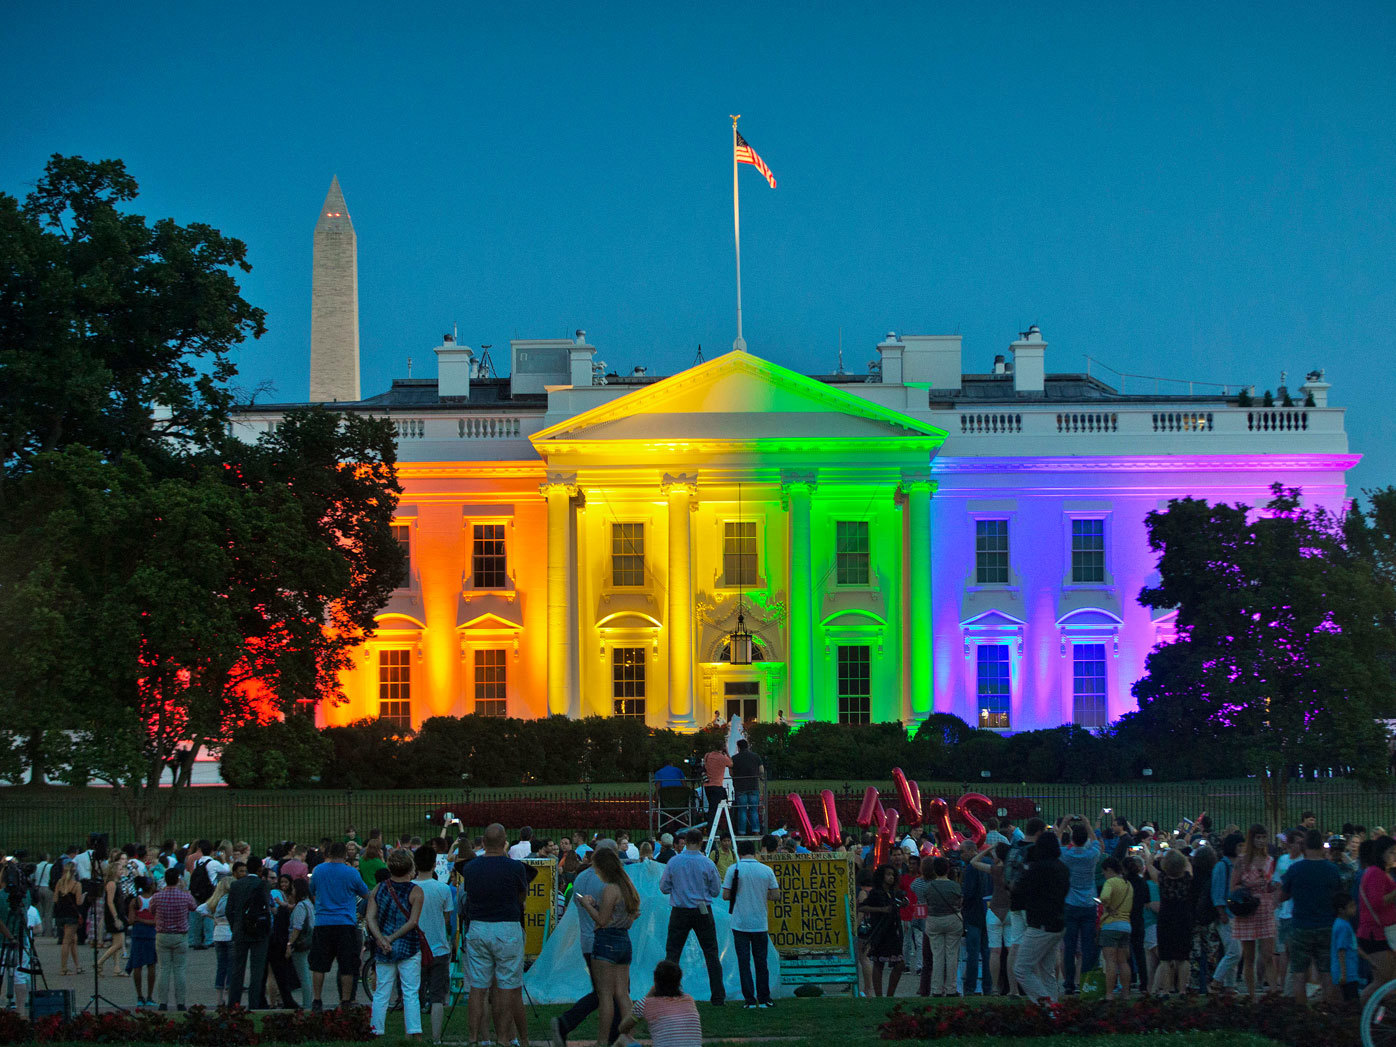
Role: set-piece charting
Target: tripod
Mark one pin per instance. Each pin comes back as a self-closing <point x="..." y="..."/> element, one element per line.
<point x="95" y="1001"/>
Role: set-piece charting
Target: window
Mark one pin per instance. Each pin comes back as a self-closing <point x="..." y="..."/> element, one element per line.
<point x="402" y="534"/>
<point x="489" y="683"/>
<point x="1088" y="685"/>
<point x="627" y="554"/>
<point x="742" y="698"/>
<point x="855" y="684"/>
<point x="487" y="560"/>
<point x="1087" y="551"/>
<point x="991" y="552"/>
<point x="993" y="685"/>
<point x="739" y="552"/>
<point x="628" y="680"/>
<point x="395" y="687"/>
<point x="851" y="557"/>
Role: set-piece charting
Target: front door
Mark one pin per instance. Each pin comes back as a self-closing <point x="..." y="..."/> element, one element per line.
<point x="743" y="698"/>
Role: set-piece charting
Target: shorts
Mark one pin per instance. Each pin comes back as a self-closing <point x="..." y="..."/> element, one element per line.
<point x="494" y="953"/>
<point x="335" y="944"/>
<point x="1283" y="930"/>
<point x="1371" y="945"/>
<point x="612" y="945"/>
<point x="1151" y="936"/>
<point x="1114" y="939"/>
<point x="1309" y="945"/>
<point x="436" y="980"/>
<point x="1016" y="927"/>
<point x="993" y="928"/>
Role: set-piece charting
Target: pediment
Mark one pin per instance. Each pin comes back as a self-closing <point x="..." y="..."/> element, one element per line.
<point x="994" y="619"/>
<point x="739" y="399"/>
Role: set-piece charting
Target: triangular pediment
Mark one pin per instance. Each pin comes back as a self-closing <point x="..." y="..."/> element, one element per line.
<point x="741" y="399"/>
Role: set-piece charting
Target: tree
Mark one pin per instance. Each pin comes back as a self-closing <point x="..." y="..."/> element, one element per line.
<point x="1286" y="632"/>
<point x="168" y="583"/>
<point x="105" y="318"/>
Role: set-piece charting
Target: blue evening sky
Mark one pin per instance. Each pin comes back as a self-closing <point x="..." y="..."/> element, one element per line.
<point x="1192" y="191"/>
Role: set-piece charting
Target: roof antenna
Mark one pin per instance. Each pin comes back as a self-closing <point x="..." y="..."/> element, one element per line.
<point x="409" y="367"/>
<point x="698" y="356"/>
<point x="486" y="365"/>
<point x="840" y="369"/>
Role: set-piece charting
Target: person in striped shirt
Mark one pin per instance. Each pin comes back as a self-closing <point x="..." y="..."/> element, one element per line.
<point x="670" y="1012"/>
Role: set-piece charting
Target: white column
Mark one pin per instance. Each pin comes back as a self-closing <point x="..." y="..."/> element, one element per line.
<point x="796" y="491"/>
<point x="915" y="492"/>
<point x="562" y="661"/>
<point x="680" y="492"/>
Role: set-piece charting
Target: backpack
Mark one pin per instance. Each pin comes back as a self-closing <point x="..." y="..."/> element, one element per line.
<point x="201" y="882"/>
<point x="256" y="921"/>
<point x="1015" y="863"/>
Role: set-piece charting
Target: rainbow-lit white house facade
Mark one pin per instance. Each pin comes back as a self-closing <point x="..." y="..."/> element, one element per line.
<point x="925" y="537"/>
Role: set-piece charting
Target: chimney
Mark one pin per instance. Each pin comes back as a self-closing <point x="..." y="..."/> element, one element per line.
<point x="580" y="358"/>
<point x="892" y="352"/>
<point x="1029" y="361"/>
<point x="453" y="364"/>
<point x="1000" y="364"/>
<point x="931" y="361"/>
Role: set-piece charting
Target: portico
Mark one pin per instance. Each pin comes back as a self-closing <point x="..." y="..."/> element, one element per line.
<point x="738" y="485"/>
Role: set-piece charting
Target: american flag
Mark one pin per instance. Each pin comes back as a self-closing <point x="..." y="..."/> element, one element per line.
<point x="747" y="155"/>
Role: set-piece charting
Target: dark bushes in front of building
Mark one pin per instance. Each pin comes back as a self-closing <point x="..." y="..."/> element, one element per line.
<point x="497" y="752"/>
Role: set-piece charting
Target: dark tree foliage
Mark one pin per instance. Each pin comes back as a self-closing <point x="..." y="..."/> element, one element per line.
<point x="164" y="584"/>
<point x="106" y="319"/>
<point x="1285" y="637"/>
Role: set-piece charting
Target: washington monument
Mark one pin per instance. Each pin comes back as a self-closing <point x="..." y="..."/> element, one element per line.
<point x="334" y="296"/>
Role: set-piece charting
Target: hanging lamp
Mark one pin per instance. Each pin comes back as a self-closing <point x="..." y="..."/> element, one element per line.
<point x="739" y="642"/>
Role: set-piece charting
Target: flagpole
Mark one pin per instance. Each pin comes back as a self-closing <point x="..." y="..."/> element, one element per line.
<point x="740" y="343"/>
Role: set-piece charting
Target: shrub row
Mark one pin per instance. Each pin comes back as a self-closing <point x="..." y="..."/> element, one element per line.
<point x="497" y="752"/>
<point x="1279" y="1018"/>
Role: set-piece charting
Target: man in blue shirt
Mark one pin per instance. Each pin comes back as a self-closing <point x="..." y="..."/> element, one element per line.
<point x="690" y="880"/>
<point x="748" y="886"/>
<point x="336" y="888"/>
<point x="495" y="888"/>
<point x="1224" y="977"/>
<point x="1310" y="883"/>
<point x="1081" y="859"/>
<point x="667" y="775"/>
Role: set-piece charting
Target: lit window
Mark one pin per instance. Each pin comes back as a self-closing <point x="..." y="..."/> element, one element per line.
<point x="627" y="554"/>
<point x="1088" y="685"/>
<point x="395" y="687"/>
<point x="489" y="683"/>
<point x="628" y="681"/>
<point x="993" y="685"/>
<point x="852" y="560"/>
<point x="855" y="684"/>
<point x="487" y="560"/>
<point x="739" y="552"/>
<point x="402" y="534"/>
<point x="1087" y="551"/>
<point x="991" y="552"/>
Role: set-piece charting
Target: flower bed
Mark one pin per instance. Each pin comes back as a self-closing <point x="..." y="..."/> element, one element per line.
<point x="224" y="1027"/>
<point x="1279" y="1018"/>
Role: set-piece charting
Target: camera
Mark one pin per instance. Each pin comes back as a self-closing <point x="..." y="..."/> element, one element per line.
<point x="447" y="818"/>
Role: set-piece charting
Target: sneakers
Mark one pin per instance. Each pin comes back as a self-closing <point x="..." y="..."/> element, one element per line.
<point x="557" y="1035"/>
<point x="751" y="1006"/>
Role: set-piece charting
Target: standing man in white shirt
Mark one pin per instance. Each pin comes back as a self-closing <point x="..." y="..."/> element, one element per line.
<point x="524" y="848"/>
<point x="748" y="886"/>
<point x="435" y="925"/>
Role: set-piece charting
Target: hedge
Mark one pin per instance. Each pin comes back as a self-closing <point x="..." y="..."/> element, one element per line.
<point x="497" y="752"/>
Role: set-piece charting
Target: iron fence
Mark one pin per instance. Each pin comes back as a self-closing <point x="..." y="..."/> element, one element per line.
<point x="49" y="819"/>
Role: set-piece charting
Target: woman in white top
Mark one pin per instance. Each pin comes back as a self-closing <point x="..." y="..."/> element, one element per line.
<point x="216" y="909"/>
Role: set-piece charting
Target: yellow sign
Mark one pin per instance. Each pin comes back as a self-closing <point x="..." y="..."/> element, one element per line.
<point x="538" y="906"/>
<point x="816" y="896"/>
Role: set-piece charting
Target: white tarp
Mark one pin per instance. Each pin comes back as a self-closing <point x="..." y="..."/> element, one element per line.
<point x="560" y="976"/>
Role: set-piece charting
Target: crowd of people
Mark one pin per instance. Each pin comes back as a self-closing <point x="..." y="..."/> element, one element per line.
<point x="1036" y="909"/>
<point x="1033" y="910"/>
